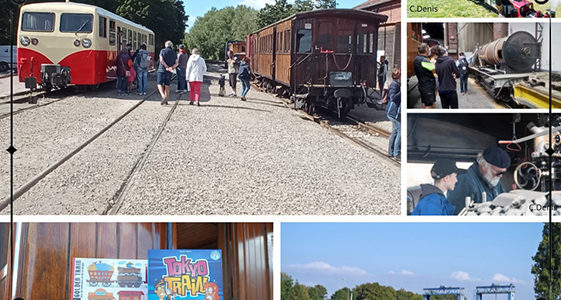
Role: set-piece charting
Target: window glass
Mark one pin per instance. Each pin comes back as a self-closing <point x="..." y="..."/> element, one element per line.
<point x="287" y="40"/>
<point x="32" y="21"/>
<point x="371" y="43"/>
<point x="344" y="40"/>
<point x="111" y="32"/>
<point x="76" y="22"/>
<point x="304" y="41"/>
<point x="102" y="27"/>
<point x="135" y="43"/>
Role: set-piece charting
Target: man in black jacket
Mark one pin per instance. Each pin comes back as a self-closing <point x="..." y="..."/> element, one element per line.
<point x="447" y="72"/>
<point x="424" y="70"/>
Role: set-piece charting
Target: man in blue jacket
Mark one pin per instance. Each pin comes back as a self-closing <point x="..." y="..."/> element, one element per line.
<point x="433" y="199"/>
<point x="482" y="178"/>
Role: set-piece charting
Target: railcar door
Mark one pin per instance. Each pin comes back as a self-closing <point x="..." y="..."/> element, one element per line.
<point x="364" y="64"/>
<point x="303" y="64"/>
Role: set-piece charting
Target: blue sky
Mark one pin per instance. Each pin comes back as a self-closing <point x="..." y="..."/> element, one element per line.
<point x="197" y="8"/>
<point x="412" y="256"/>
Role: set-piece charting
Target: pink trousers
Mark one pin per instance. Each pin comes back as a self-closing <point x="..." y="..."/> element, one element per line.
<point x="195" y="93"/>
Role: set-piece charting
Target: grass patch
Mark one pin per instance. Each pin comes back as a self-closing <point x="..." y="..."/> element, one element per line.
<point x="449" y="9"/>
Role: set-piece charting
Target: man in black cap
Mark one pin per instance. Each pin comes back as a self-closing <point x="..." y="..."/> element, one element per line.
<point x="433" y="199"/>
<point x="482" y="180"/>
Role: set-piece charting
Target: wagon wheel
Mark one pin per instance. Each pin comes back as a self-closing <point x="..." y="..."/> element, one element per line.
<point x="106" y="283"/>
<point x="93" y="283"/>
<point x="309" y="107"/>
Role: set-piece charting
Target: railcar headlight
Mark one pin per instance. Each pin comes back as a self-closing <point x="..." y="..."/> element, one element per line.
<point x="86" y="43"/>
<point x="24" y="40"/>
<point x="34" y="41"/>
<point x="76" y="43"/>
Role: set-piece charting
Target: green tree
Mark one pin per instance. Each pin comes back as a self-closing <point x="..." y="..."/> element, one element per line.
<point x="317" y="292"/>
<point x="326" y="4"/>
<point x="543" y="278"/>
<point x="300" y="292"/>
<point x="166" y="18"/>
<point x="373" y="291"/>
<point x="286" y="286"/>
<point x="407" y="295"/>
<point x="211" y="31"/>
<point x="272" y="13"/>
<point x="341" y="294"/>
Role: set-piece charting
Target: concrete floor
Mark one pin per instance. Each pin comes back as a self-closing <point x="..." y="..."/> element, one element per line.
<point x="476" y="97"/>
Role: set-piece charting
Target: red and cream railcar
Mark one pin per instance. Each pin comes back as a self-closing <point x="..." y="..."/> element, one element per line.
<point x="61" y="43"/>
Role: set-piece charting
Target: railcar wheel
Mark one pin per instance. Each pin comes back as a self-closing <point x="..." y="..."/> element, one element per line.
<point x="3" y="67"/>
<point x="93" y="283"/>
<point x="106" y="283"/>
<point x="309" y="107"/>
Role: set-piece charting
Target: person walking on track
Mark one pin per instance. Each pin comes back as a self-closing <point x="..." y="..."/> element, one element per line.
<point x="168" y="61"/>
<point x="244" y="74"/>
<point x="196" y="67"/>
<point x="182" y="58"/>
<point x="232" y="71"/>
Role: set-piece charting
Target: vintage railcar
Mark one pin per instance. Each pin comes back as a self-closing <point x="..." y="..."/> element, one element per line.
<point x="100" y="273"/>
<point x="322" y="57"/>
<point x="61" y="43"/>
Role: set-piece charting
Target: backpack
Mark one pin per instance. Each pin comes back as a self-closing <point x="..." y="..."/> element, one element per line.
<point x="144" y="60"/>
<point x="244" y="72"/>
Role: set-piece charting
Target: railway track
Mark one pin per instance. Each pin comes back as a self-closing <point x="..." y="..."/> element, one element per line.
<point x="370" y="138"/>
<point x="116" y="202"/>
<point x="117" y="199"/>
<point x="351" y="128"/>
<point x="33" y="97"/>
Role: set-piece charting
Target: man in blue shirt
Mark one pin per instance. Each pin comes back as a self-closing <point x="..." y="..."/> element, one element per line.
<point x="168" y="61"/>
<point x="433" y="199"/>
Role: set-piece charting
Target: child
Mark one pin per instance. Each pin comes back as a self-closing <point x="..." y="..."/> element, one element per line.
<point x="132" y="76"/>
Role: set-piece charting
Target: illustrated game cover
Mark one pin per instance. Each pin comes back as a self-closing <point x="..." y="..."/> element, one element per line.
<point x="118" y="279"/>
<point x="185" y="274"/>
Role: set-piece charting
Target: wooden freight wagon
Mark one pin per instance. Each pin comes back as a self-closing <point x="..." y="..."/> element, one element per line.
<point x="322" y="57"/>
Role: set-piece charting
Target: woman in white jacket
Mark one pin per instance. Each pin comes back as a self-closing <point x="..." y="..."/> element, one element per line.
<point x="196" y="67"/>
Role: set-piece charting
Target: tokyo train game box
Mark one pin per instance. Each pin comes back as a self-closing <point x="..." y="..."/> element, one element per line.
<point x="185" y="274"/>
<point x="94" y="278"/>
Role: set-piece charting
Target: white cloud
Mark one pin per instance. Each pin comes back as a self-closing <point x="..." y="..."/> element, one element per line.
<point x="461" y="276"/>
<point x="329" y="269"/>
<point x="391" y="272"/>
<point x="503" y="278"/>
<point x="408" y="273"/>
<point x="257" y="4"/>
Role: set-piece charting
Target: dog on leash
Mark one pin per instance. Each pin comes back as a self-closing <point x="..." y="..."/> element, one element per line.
<point x="222" y="83"/>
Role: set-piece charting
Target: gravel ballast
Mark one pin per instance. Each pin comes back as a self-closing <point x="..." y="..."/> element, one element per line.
<point x="224" y="157"/>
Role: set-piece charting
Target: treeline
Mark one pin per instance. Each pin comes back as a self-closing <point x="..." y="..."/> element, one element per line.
<point x="166" y="18"/>
<point x="211" y="31"/>
<point x="292" y="290"/>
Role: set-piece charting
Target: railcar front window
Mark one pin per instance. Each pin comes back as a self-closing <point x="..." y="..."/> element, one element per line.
<point x="344" y="43"/>
<point x="76" y="23"/>
<point x="304" y="41"/>
<point x="34" y="21"/>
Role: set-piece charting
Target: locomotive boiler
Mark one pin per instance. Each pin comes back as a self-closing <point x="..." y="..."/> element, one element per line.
<point x="504" y="62"/>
